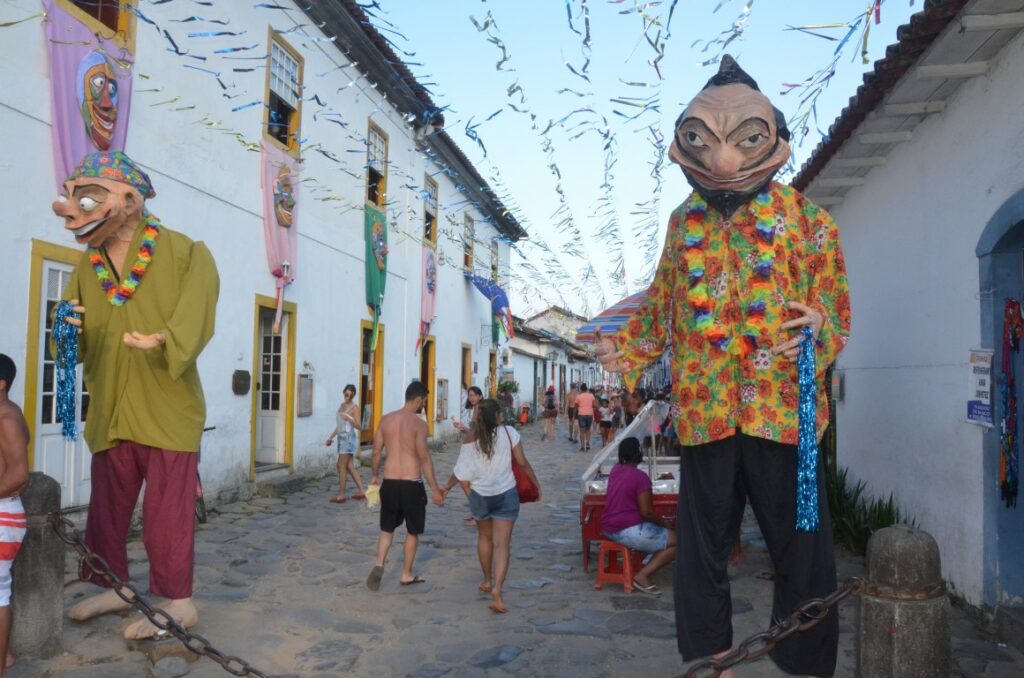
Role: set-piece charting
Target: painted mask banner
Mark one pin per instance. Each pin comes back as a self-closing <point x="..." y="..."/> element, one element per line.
<point x="90" y="91"/>
<point x="279" y="180"/>
<point x="376" y="235"/>
<point x="428" y="296"/>
<point x="499" y="304"/>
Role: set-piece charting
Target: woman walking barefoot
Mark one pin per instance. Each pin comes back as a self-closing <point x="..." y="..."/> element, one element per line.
<point x="473" y="397"/>
<point x="550" y="413"/>
<point x="347" y="433"/>
<point x="484" y="468"/>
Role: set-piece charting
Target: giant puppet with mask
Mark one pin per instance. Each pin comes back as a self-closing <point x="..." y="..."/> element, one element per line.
<point x="748" y="264"/>
<point x="145" y="297"/>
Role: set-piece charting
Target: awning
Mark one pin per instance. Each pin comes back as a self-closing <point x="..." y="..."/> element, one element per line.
<point x="611" y="319"/>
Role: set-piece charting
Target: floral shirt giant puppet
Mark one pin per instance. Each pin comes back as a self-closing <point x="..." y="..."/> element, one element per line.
<point x="747" y="264"/>
<point x="146" y="297"/>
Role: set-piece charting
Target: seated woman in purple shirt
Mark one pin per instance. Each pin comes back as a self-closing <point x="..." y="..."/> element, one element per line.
<point x="629" y="518"/>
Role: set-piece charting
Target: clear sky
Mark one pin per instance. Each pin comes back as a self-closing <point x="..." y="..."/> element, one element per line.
<point x="573" y="134"/>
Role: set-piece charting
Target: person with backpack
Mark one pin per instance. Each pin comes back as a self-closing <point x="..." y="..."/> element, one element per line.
<point x="550" y="414"/>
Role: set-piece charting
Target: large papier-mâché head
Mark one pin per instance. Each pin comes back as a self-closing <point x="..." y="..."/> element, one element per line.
<point x="730" y="140"/>
<point x="106" y="192"/>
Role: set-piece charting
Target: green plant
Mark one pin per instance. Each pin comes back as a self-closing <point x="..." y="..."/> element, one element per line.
<point x="508" y="385"/>
<point x="855" y="517"/>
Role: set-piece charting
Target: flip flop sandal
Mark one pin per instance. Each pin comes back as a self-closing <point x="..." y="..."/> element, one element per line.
<point x="335" y="500"/>
<point x="361" y="495"/>
<point x="415" y="580"/>
<point x="373" y="581"/>
<point x="651" y="590"/>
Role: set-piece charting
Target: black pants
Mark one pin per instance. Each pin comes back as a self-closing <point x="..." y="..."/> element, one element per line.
<point x="716" y="479"/>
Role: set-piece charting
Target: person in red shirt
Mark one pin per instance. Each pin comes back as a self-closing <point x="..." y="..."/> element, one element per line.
<point x="585" y="415"/>
<point x="629" y="518"/>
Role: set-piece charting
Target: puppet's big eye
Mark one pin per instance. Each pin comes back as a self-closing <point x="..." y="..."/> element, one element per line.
<point x="753" y="140"/>
<point x="87" y="204"/>
<point x="694" y="139"/>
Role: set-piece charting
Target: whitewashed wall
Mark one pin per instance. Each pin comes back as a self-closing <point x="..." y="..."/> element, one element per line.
<point x="207" y="186"/>
<point x="909" y="236"/>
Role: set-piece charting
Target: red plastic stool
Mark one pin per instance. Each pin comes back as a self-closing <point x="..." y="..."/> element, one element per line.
<point x="616" y="564"/>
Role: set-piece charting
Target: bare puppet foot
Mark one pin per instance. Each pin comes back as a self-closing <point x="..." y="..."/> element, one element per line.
<point x="94" y="606"/>
<point x="498" y="606"/>
<point x="182" y="611"/>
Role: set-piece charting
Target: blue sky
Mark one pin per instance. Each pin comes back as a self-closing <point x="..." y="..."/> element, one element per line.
<point x="458" y="62"/>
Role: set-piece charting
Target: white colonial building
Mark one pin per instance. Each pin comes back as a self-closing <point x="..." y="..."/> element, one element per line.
<point x="924" y="173"/>
<point x="322" y="86"/>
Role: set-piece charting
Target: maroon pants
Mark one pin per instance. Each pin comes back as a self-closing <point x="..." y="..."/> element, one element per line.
<point x="168" y="510"/>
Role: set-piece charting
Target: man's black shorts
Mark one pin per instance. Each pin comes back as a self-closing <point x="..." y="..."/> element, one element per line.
<point x="403" y="500"/>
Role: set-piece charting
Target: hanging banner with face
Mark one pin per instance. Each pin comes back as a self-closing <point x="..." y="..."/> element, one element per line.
<point x="279" y="179"/>
<point x="428" y="298"/>
<point x="90" y="91"/>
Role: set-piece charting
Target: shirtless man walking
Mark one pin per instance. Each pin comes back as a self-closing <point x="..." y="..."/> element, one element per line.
<point x="402" y="496"/>
<point x="570" y="413"/>
<point x="13" y="479"/>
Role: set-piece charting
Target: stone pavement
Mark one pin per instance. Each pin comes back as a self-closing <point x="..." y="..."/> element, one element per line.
<point x="280" y="582"/>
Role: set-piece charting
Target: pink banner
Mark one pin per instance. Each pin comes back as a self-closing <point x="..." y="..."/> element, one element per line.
<point x="90" y="91"/>
<point x="428" y="298"/>
<point x="279" y="178"/>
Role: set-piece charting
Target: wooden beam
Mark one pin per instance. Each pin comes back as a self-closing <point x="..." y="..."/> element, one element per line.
<point x="866" y="161"/>
<point x="885" y="137"/>
<point x="916" y="108"/>
<point x="827" y="200"/>
<point x="945" y="71"/>
<point x="992" y="22"/>
<point x="839" y="182"/>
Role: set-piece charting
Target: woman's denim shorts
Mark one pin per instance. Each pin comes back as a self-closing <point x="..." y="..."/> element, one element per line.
<point x="504" y="506"/>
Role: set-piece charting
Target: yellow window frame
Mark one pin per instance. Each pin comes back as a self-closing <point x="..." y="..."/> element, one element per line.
<point x="427" y="184"/>
<point x="127" y="23"/>
<point x="469" y="241"/>
<point x="382" y="188"/>
<point x="295" y="121"/>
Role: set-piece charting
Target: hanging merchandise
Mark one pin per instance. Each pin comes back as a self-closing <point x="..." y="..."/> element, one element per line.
<point x="65" y="338"/>
<point x="807" y="442"/>
<point x="1013" y="330"/>
<point x="279" y="179"/>
<point x="90" y="91"/>
<point x="376" y="234"/>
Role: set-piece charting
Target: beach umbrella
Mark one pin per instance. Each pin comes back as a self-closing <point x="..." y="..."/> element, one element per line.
<point x="611" y="319"/>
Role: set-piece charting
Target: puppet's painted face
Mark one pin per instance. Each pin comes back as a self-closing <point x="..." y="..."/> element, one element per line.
<point x="98" y="98"/>
<point x="284" y="199"/>
<point x="728" y="140"/>
<point x="95" y="209"/>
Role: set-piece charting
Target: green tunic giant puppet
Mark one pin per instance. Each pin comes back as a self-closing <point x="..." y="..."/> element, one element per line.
<point x="146" y="298"/>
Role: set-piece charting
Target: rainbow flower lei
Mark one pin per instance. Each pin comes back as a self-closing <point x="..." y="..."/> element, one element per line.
<point x="760" y="288"/>
<point x="118" y="294"/>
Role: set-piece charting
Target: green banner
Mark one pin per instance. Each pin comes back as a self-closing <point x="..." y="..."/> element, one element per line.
<point x="376" y="235"/>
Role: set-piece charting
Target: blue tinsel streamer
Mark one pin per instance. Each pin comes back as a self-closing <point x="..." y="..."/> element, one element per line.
<point x="65" y="337"/>
<point x="807" y="446"/>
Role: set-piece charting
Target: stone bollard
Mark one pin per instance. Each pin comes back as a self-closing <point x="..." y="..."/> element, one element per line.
<point x="37" y="602"/>
<point x="904" y="612"/>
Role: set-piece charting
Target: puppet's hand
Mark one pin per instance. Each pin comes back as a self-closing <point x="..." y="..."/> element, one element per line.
<point x="791" y="349"/>
<point x="80" y="310"/>
<point x="143" y="341"/>
<point x="607" y="355"/>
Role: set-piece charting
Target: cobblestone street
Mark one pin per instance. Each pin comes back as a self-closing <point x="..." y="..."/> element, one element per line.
<point x="280" y="582"/>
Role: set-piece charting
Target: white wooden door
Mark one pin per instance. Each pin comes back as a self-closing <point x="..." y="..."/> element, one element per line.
<point x="68" y="462"/>
<point x="272" y="385"/>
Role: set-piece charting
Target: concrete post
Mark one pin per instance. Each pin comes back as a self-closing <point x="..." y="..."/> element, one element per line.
<point x="37" y="601"/>
<point x="904" y="612"/>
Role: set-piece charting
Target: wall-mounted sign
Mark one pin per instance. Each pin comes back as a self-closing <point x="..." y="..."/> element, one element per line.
<point x="979" y="388"/>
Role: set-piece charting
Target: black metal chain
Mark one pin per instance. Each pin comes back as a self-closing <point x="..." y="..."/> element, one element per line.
<point x="95" y="564"/>
<point x="805" y="617"/>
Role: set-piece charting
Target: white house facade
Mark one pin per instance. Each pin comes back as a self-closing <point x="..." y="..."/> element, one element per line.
<point x="364" y="130"/>
<point x="924" y="174"/>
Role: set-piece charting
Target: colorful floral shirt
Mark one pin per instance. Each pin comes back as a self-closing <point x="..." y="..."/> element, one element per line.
<point x="717" y="301"/>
